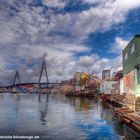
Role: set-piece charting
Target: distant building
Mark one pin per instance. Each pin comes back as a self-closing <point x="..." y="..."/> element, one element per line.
<point x="131" y="73"/>
<point x="118" y="75"/>
<point x="109" y="87"/>
<point x="106" y="74"/>
<point x="66" y="86"/>
<point x="77" y="78"/>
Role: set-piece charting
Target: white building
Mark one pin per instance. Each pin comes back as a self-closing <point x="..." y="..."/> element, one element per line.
<point x="107" y="87"/>
<point x="122" y="91"/>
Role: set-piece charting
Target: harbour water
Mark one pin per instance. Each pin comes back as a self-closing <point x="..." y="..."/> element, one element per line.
<point x="56" y="117"/>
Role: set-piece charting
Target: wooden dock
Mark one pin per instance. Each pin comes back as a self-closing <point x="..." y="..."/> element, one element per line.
<point x="123" y="114"/>
<point x="128" y="117"/>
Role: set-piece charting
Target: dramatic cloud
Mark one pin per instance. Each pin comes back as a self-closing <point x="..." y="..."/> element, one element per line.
<point x="104" y="15"/>
<point x="33" y="29"/>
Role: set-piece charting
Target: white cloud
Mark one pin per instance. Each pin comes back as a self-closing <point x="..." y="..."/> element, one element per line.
<point x="119" y="45"/>
<point x="87" y="61"/>
<point x="93" y="64"/>
<point x="116" y="64"/>
<point x="117" y="48"/>
<point x="102" y="17"/>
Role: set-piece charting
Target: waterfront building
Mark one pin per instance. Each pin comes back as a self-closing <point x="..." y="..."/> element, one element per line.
<point x="131" y="73"/>
<point x="118" y="76"/>
<point x="90" y="82"/>
<point x="106" y="74"/>
<point x="109" y="87"/>
<point x="121" y="87"/>
<point x="67" y="86"/>
<point x="77" y="78"/>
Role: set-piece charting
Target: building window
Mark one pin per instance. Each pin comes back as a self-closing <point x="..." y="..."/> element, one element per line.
<point x="132" y="48"/>
<point x="125" y="56"/>
<point x="138" y="75"/>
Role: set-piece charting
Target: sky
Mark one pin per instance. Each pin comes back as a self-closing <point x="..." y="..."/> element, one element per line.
<point x="71" y="35"/>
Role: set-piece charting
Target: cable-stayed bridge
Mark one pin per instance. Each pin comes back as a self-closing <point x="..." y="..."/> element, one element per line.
<point x="17" y="84"/>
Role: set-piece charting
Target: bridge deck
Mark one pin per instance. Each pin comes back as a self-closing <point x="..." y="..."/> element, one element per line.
<point x="35" y="83"/>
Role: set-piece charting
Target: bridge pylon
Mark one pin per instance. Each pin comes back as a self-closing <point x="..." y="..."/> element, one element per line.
<point x="16" y="77"/>
<point x="44" y="67"/>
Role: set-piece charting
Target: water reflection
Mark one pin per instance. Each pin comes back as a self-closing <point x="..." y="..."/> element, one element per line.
<point x="55" y="117"/>
<point x="43" y="106"/>
<point x="94" y="120"/>
<point x="17" y="100"/>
